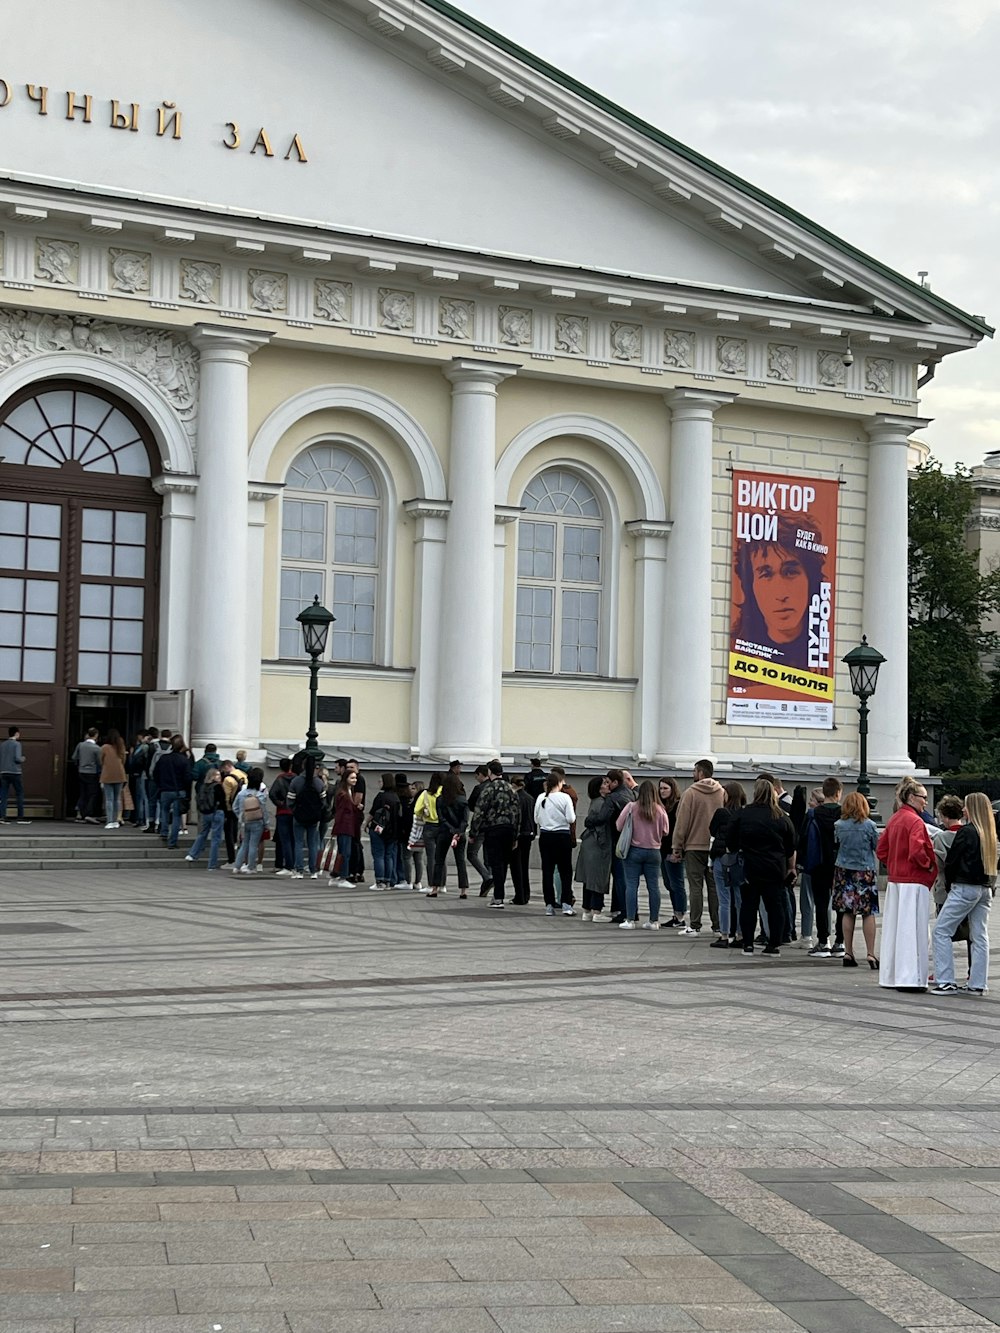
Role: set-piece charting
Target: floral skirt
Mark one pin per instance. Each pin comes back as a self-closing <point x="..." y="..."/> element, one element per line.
<point x="855" y="891"/>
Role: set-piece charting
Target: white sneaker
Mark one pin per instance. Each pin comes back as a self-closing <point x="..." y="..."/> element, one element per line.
<point x="568" y="911"/>
<point x="424" y="888"/>
<point x="279" y="873"/>
<point x="688" y="930"/>
<point x="600" y="916"/>
<point x="260" y="870"/>
<point x="341" y="883"/>
<point x="417" y="887"/>
<point x="586" y="916"/>
<point x="110" y="825"/>
<point x="189" y="858"/>
<point x="376" y="888"/>
<point x="651" y="925"/>
<point x="403" y="884"/>
<point x="296" y="874"/>
<point x="244" y="870"/>
<point x="626" y="925"/>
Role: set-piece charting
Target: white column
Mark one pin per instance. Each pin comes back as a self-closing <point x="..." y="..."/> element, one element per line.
<point x="885" y="613"/>
<point x="686" y="719"/>
<point x="221" y="625"/>
<point x="504" y="516"/>
<point x="173" y="671"/>
<point x="469" y="662"/>
<point x="259" y="496"/>
<point x="428" y="573"/>
<point x="650" y="577"/>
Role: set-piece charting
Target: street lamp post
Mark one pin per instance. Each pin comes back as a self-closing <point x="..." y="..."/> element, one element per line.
<point x="315" y="621"/>
<point x="863" y="663"/>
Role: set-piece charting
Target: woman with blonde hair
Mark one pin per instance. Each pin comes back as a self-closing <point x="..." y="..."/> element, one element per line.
<point x="908" y="852"/>
<point x="764" y="836"/>
<point x="855" y="875"/>
<point x="970" y="871"/>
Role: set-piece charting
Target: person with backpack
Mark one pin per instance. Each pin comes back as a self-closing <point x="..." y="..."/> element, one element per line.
<point x="173" y="777"/>
<point x="159" y="745"/>
<point x="250" y="809"/>
<point x="211" y="805"/>
<point x="136" y="763"/>
<point x="233" y="780"/>
<point x="449" y="835"/>
<point x="383" y="822"/>
<point x="819" y="860"/>
<point x="305" y="800"/>
<point x="284" y="831"/>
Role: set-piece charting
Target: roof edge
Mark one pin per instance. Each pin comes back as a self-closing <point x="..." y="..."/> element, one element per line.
<point x="659" y="137"/>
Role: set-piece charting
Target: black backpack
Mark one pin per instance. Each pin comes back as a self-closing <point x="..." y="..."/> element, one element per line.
<point x="383" y="818"/>
<point x="308" y="807"/>
<point x="206" y="797"/>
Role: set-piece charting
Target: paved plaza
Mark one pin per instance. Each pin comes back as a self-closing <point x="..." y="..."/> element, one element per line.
<point x="248" y="1105"/>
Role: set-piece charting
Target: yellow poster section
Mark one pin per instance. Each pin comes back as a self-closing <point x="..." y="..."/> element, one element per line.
<point x="808" y="683"/>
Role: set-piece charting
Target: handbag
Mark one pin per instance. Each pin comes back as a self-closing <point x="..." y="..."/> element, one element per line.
<point x="416" y="839"/>
<point x="624" y="843"/>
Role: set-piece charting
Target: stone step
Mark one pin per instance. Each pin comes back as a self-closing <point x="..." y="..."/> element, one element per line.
<point x="69" y="864"/>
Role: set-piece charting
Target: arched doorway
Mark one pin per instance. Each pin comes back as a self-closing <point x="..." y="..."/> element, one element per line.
<point x="79" y="539"/>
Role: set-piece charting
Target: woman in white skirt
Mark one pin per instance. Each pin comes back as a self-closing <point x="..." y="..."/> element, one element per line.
<point x="908" y="852"/>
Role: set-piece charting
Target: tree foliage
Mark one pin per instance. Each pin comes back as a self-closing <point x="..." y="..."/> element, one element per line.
<point x="948" y="602"/>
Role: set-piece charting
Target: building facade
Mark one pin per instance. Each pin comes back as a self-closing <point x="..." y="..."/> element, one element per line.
<point x="356" y="300"/>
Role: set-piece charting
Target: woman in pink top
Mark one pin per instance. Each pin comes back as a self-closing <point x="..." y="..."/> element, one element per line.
<point x="650" y="825"/>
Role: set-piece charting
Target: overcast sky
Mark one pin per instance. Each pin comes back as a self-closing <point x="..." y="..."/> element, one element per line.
<point x="878" y="121"/>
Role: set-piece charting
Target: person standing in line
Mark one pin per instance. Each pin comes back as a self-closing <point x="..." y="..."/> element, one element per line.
<point x="87" y="758"/>
<point x="173" y="777"/>
<point x="649" y="825"/>
<point x="692" y="841"/>
<point x="305" y="800"/>
<point x="233" y="780"/>
<point x="210" y="759"/>
<point x="520" y="861"/>
<point x="136" y="765"/>
<point x="573" y="795"/>
<point x="819" y="856"/>
<point x="970" y="870"/>
<point x="425" y="809"/>
<point x="345" y="821"/>
<point x="766" y="840"/>
<point x="621" y="791"/>
<point x="948" y="816"/>
<point x="404" y="863"/>
<point x="498" y="817"/>
<point x="241" y="762"/>
<point x="415" y="857"/>
<point x="907" y="850"/>
<point x="250" y="808"/>
<point x="284" y="833"/>
<point x="159" y="745"/>
<point x="855" y="876"/>
<point x="672" y="871"/>
<point x="476" y="844"/>
<point x="449" y="835"/>
<point x="593" y="862"/>
<point x="12" y="774"/>
<point x="534" y="782"/>
<point x="727" y="869"/>
<point x="211" y="805"/>
<point x="383" y="822"/>
<point x="112" y="776"/>
<point x="796" y="813"/>
<point x="555" y="818"/>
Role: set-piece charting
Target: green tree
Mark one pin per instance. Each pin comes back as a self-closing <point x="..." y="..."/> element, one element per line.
<point x="949" y="600"/>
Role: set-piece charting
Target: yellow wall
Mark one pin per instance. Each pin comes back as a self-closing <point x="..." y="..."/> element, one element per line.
<point x="545" y="717"/>
<point x="380" y="708"/>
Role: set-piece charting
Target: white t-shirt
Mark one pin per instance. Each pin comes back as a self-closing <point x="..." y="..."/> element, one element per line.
<point x="554" y="813"/>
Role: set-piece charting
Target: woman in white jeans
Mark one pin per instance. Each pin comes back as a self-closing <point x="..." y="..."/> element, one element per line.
<point x="970" y="870"/>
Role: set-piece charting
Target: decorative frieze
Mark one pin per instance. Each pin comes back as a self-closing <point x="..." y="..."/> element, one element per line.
<point x="678" y="349"/>
<point x="395" y="309"/>
<point x="200" y="282"/>
<point x="830" y="369"/>
<point x="731" y="355"/>
<point x="782" y="362"/>
<point x="333" y="301"/>
<point x="57" y="261"/>
<point x="268" y="292"/>
<point x="515" y="325"/>
<point x="626" y="342"/>
<point x="455" y="317"/>
<point x="128" y="271"/>
<point x="878" y="374"/>
<point x="571" y="334"/>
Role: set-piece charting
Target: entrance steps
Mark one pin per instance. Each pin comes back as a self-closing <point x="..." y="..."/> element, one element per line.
<point x="53" y="845"/>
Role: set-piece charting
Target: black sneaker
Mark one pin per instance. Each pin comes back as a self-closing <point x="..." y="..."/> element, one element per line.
<point x="672" y="924"/>
<point x="837" y="951"/>
<point x="485" y="888"/>
<point x="771" y="952"/>
<point x="819" y="951"/>
<point x="496" y="903"/>
<point x="748" y="948"/>
<point x="719" y="944"/>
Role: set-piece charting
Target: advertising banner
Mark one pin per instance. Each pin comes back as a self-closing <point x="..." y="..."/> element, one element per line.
<point x="781" y="664"/>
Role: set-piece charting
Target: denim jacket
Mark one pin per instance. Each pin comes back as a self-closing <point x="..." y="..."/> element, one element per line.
<point x="855" y="841"/>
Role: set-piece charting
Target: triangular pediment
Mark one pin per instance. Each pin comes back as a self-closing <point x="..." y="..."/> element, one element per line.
<point x="417" y="124"/>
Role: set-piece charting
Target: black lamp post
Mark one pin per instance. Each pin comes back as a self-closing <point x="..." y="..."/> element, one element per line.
<point x="315" y="621"/>
<point x="863" y="663"/>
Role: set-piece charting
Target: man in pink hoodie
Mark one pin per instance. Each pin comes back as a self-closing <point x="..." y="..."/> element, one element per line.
<point x="692" y="841"/>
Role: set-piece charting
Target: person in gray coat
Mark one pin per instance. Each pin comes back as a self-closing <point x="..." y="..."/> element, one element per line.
<point x="593" y="862"/>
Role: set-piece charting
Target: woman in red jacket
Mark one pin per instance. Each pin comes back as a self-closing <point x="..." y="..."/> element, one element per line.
<point x="908" y="851"/>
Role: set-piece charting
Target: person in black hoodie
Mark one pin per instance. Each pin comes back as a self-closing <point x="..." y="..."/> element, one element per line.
<point x="818" y="854"/>
<point x="522" y="848"/>
<point x="449" y="835"/>
<point x="970" y="870"/>
<point x="727" y="869"/>
<point x="765" y="838"/>
<point x="383" y="821"/>
<point x="173" y="777"/>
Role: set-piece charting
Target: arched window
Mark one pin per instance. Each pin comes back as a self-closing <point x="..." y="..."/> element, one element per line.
<point x="68" y="425"/>
<point x="330" y="534"/>
<point x="559" y="576"/>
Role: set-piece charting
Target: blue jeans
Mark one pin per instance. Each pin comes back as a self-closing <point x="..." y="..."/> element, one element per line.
<point x="306" y="839"/>
<point x="11" y="782"/>
<point x="728" y="879"/>
<point x="345" y="849"/>
<point x="963" y="900"/>
<point x="384" y="858"/>
<point x="211" y="827"/>
<point x="673" y="879"/>
<point x="170" y="816"/>
<point x="642" y="861"/>
<point x="807" y="910"/>
<point x="112" y="795"/>
<point x="251" y="835"/>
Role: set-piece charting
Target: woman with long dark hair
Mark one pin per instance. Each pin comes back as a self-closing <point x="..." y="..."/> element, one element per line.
<point x="765" y="839"/>
<point x="345" y="819"/>
<point x="970" y="871"/>
<point x="383" y="821"/>
<point x="425" y="810"/>
<point x="672" y="871"/>
<point x="112" y="776"/>
<point x="449" y="836"/>
<point x="650" y="823"/>
<point x="555" y="818"/>
<point x="593" y="864"/>
<point x="727" y="869"/>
